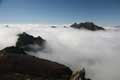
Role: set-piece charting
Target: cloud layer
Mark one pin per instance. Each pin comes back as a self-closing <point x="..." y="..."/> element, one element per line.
<point x="97" y="51"/>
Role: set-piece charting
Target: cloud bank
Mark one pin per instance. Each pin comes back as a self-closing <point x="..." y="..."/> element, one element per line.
<point x="97" y="51"/>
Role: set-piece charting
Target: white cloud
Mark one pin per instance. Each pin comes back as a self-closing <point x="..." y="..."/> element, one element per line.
<point x="97" y="51"/>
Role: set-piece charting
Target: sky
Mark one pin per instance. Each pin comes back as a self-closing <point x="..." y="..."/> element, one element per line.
<point x="102" y="12"/>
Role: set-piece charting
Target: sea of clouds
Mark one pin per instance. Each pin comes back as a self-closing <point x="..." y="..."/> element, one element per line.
<point x="97" y="51"/>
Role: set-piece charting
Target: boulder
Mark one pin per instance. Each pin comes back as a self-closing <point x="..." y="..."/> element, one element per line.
<point x="26" y="41"/>
<point x="87" y="25"/>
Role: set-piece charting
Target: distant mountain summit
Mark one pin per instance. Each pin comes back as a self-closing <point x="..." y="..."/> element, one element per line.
<point x="87" y="25"/>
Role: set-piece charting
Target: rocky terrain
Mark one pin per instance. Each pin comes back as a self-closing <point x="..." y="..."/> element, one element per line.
<point x="16" y="64"/>
<point x="87" y="25"/>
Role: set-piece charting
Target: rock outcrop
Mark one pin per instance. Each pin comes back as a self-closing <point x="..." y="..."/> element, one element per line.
<point x="87" y="25"/>
<point x="26" y="41"/>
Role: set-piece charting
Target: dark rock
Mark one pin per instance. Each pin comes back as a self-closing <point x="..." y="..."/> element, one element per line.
<point x="83" y="75"/>
<point x="19" y="76"/>
<point x="15" y="76"/>
<point x="53" y="26"/>
<point x="25" y="64"/>
<point x="12" y="50"/>
<point x="14" y="61"/>
<point x="87" y="25"/>
<point x="7" y="26"/>
<point x="25" y="41"/>
<point x="65" y="26"/>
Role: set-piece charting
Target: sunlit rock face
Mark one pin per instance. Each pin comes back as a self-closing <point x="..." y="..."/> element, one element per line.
<point x="87" y="25"/>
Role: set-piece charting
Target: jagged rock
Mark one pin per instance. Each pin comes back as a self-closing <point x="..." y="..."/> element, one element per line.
<point x="26" y="41"/>
<point x="26" y="64"/>
<point x="87" y="25"/>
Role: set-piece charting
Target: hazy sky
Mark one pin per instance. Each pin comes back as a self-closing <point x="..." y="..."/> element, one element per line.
<point x="103" y="12"/>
